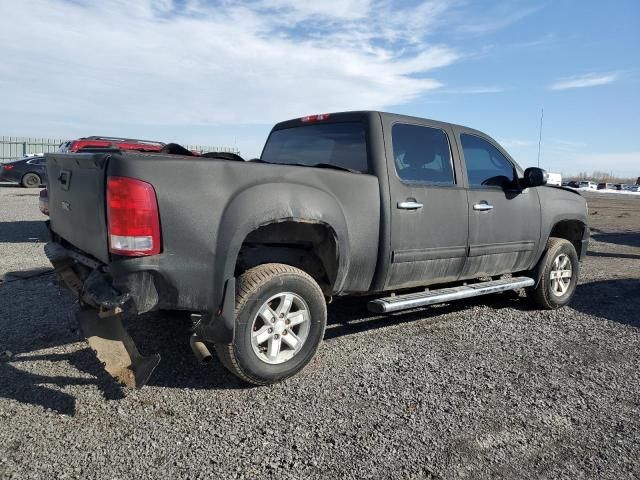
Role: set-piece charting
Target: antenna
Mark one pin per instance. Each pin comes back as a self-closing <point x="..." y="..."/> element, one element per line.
<point x="540" y="136"/>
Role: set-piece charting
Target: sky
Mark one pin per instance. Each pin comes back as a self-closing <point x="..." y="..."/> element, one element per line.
<point x="223" y="72"/>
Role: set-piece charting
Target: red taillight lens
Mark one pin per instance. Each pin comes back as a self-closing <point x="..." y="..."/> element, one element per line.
<point x="132" y="215"/>
<point x="7" y="167"/>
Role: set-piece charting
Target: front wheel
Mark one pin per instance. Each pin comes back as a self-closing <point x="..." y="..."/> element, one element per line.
<point x="559" y="275"/>
<point x="280" y="320"/>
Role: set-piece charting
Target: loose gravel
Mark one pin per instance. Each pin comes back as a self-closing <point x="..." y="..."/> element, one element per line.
<point x="479" y="389"/>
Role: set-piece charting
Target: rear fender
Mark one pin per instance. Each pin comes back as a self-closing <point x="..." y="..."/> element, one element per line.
<point x="258" y="206"/>
<point x="261" y="205"/>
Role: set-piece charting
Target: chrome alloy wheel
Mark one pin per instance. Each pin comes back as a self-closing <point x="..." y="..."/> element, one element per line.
<point x="280" y="328"/>
<point x="560" y="275"/>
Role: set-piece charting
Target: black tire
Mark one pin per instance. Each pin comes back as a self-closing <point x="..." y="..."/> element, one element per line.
<point x="544" y="295"/>
<point x="253" y="289"/>
<point x="31" y="180"/>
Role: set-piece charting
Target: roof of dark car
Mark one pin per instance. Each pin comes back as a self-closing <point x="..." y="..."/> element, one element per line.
<point x="24" y="159"/>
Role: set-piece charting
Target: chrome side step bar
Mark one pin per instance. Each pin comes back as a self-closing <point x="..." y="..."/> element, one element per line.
<point x="422" y="299"/>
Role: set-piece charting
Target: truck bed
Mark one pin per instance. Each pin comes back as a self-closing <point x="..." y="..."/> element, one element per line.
<point x="207" y="207"/>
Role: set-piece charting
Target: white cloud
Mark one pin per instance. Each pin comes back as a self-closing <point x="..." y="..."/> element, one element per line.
<point x="476" y="90"/>
<point x="342" y="10"/>
<point x="516" y="143"/>
<point x="163" y="63"/>
<point x="588" y="80"/>
<point x="619" y="163"/>
<point x="566" y="145"/>
<point x="499" y="17"/>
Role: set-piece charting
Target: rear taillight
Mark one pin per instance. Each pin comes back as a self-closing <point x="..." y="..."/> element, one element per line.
<point x="7" y="167"/>
<point x="132" y="216"/>
<point x="314" y="118"/>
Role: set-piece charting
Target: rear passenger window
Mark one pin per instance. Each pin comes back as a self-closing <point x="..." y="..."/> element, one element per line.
<point x="422" y="154"/>
<point x="486" y="166"/>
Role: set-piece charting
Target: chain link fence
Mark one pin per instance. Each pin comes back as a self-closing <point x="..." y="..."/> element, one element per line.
<point x="13" y="148"/>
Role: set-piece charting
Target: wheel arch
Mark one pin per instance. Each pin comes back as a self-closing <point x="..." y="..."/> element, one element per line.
<point x="258" y="209"/>
<point x="310" y="245"/>
<point x="572" y="230"/>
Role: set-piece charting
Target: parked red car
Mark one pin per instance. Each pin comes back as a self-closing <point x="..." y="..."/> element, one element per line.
<point x="86" y="143"/>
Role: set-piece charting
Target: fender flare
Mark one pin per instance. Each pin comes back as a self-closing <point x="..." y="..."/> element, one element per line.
<point x="257" y="206"/>
<point x="536" y="271"/>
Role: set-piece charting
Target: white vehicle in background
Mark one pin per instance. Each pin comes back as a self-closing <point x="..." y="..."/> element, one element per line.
<point x="589" y="184"/>
<point x="554" y="179"/>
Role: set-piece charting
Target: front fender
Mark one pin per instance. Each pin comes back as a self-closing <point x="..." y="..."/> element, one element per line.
<point x="559" y="205"/>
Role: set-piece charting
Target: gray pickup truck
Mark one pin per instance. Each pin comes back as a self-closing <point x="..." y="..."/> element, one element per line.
<point x="338" y="204"/>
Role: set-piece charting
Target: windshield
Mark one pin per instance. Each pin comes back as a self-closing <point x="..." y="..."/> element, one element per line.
<point x="64" y="147"/>
<point x="338" y="144"/>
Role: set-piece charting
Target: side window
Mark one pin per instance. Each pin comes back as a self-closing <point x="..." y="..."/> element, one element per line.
<point x="422" y="154"/>
<point x="486" y="166"/>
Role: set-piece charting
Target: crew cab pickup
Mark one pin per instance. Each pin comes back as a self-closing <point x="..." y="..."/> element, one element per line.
<point x="337" y="204"/>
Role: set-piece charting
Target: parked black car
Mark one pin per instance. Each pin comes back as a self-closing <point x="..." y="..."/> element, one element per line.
<point x="30" y="172"/>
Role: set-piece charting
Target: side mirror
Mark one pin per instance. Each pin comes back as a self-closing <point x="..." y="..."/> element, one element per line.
<point x="535" y="177"/>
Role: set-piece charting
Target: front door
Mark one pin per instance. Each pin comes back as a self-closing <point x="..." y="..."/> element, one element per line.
<point x="429" y="211"/>
<point x="504" y="220"/>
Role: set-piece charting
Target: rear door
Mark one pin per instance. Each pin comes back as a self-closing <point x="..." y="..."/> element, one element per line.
<point x="76" y="190"/>
<point x="429" y="214"/>
<point x="504" y="220"/>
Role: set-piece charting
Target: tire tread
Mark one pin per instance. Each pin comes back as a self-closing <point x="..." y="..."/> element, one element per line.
<point x="23" y="183"/>
<point x="541" y="295"/>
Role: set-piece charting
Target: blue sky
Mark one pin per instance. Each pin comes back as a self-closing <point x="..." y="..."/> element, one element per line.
<point x="223" y="72"/>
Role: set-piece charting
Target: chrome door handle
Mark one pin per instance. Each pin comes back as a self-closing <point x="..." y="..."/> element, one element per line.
<point x="410" y="205"/>
<point x="483" y="207"/>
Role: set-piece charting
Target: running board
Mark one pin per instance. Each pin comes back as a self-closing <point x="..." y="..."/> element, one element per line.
<point x="422" y="299"/>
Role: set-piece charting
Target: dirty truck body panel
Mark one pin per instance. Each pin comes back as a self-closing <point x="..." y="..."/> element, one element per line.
<point x="503" y="239"/>
<point x="207" y="211"/>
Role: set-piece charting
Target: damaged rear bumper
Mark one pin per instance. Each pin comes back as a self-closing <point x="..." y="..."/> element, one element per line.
<point x="135" y="287"/>
<point x="85" y="278"/>
<point x="101" y="323"/>
<point x="125" y="286"/>
<point x="92" y="283"/>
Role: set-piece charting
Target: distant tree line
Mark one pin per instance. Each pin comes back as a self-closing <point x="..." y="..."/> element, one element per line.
<point x="601" y="177"/>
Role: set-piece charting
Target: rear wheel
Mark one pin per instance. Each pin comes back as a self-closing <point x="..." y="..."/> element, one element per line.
<point x="31" y="180"/>
<point x="559" y="275"/>
<point x="280" y="320"/>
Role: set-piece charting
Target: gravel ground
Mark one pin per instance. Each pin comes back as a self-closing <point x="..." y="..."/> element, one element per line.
<point x="478" y="389"/>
